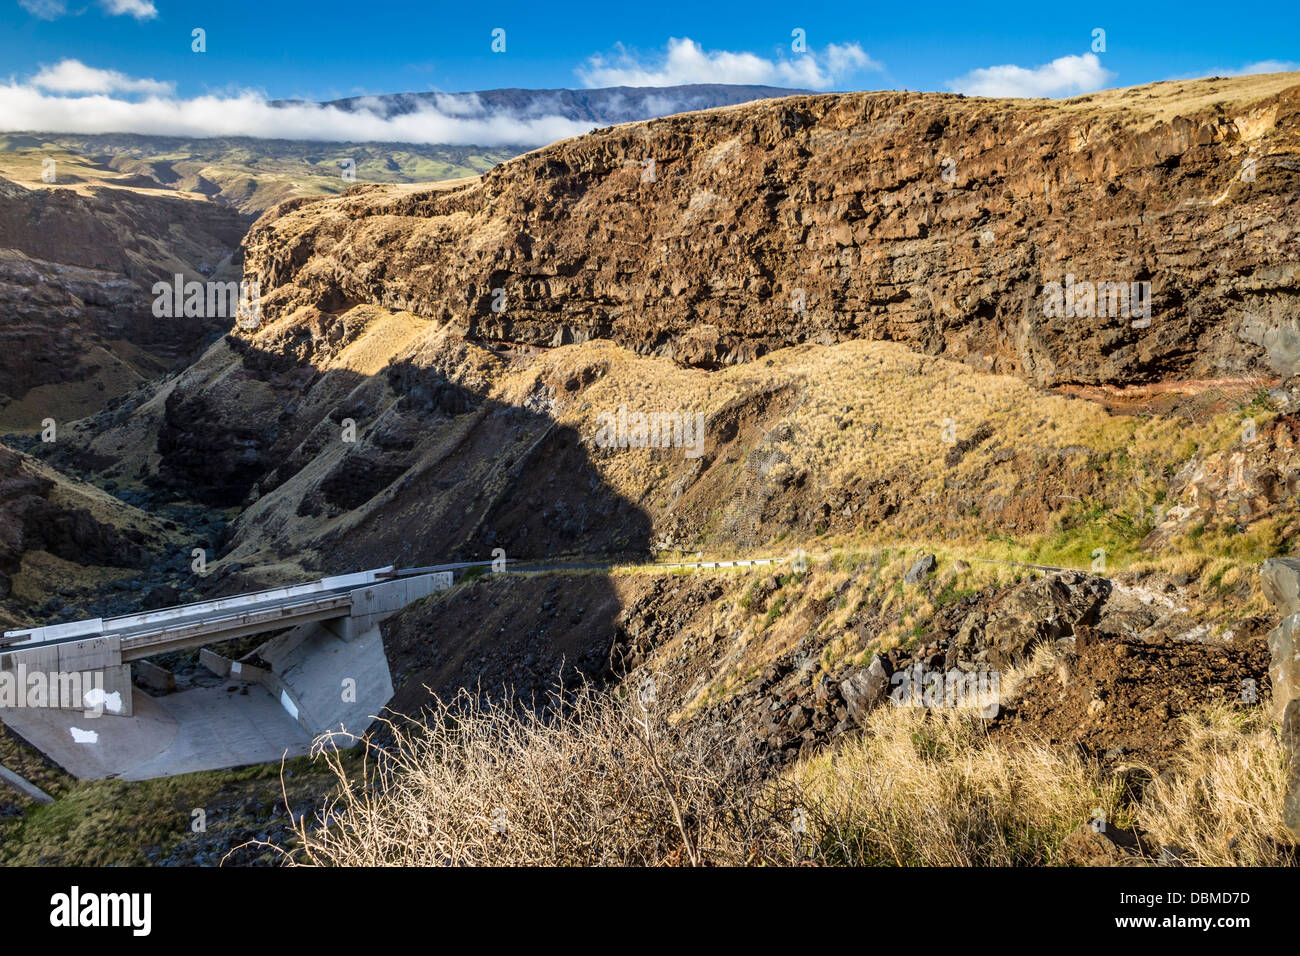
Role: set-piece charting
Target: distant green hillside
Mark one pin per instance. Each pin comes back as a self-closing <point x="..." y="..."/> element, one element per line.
<point x="249" y="174"/>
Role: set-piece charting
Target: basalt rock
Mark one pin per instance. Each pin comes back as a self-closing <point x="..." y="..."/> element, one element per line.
<point x="865" y="690"/>
<point x="1231" y="488"/>
<point x="930" y="219"/>
<point x="76" y="278"/>
<point x="923" y="566"/>
<point x="1006" y="630"/>
<point x="1280" y="580"/>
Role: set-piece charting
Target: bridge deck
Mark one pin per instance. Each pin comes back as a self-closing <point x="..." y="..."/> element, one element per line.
<point x="237" y="614"/>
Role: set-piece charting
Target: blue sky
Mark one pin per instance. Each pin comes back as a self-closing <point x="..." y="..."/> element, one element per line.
<point x="125" y="51"/>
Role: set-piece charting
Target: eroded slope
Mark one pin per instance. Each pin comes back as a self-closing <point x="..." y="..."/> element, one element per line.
<point x="929" y="219"/>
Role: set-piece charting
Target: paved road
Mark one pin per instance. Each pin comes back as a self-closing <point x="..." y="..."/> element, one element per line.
<point x="142" y="632"/>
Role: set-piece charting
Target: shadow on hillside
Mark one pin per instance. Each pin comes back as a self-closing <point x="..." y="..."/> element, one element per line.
<point x="339" y="471"/>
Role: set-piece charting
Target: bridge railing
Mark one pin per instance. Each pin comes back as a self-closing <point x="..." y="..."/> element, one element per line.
<point x="250" y="600"/>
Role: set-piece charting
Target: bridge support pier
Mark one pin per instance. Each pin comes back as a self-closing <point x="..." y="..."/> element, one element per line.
<point x="372" y="604"/>
<point x="86" y="675"/>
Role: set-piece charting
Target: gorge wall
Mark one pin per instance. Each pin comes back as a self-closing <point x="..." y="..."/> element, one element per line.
<point x="76" y="278"/>
<point x="929" y="219"/>
<point x="383" y="411"/>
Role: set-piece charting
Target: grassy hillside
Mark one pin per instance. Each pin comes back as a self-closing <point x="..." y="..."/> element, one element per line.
<point x="249" y="174"/>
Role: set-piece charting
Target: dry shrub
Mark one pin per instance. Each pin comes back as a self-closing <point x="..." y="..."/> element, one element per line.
<point x="595" y="780"/>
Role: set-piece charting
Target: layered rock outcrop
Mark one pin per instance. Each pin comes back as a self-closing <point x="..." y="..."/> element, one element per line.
<point x="33" y="516"/>
<point x="76" y="279"/>
<point x="930" y="219"/>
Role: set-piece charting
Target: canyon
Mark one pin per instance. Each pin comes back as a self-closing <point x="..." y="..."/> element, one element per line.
<point x="920" y="218"/>
<point x="846" y="289"/>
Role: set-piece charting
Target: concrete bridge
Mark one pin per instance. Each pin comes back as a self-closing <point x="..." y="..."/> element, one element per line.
<point x="349" y="605"/>
<point x="324" y="670"/>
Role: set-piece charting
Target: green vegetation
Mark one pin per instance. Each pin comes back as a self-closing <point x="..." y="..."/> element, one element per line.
<point x="249" y="174"/>
<point x="134" y="823"/>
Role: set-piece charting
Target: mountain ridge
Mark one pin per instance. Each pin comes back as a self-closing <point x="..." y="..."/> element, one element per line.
<point x="931" y="219"/>
<point x="601" y="106"/>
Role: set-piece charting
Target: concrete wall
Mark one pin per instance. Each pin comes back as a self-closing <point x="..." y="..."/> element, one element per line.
<point x="327" y="683"/>
<point x="96" y="659"/>
<point x="152" y="677"/>
<point x="232" y="670"/>
<point x="370" y="605"/>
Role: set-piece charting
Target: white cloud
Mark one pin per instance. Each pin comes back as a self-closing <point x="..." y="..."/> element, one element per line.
<point x="29" y="107"/>
<point x="1064" y="76"/>
<point x="1263" y="66"/>
<point x="844" y="59"/>
<point x="71" y="97"/>
<point x="140" y="9"/>
<point x="44" y="9"/>
<point x="685" y="61"/>
<point x="73" y="76"/>
<point x="53" y="9"/>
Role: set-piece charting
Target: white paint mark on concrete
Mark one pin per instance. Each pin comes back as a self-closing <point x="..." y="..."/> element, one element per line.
<point x="96" y="698"/>
<point x="288" y="704"/>
<point x="83" y="736"/>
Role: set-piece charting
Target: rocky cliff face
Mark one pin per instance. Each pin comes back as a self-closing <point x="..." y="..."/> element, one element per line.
<point x="76" y="278"/>
<point x="68" y="524"/>
<point x="339" y="424"/>
<point x="930" y="219"/>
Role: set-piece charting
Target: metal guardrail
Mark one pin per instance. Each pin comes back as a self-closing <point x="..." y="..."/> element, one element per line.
<point x="287" y="613"/>
<point x="184" y="621"/>
<point x="714" y="565"/>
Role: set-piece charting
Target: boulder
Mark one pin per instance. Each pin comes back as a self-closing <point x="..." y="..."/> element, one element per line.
<point x="1047" y="609"/>
<point x="865" y="690"/>
<point x="1284" y="668"/>
<point x="1291" y="742"/>
<point x="1280" y="580"/>
<point x="1109" y="847"/>
<point x="923" y="567"/>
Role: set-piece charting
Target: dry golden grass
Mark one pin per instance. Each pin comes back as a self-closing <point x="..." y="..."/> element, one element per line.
<point x="864" y="409"/>
<point x="934" y="788"/>
<point x="930" y="788"/>
<point x="1222" y="805"/>
<point x="876" y="414"/>
<point x="1141" y="107"/>
<point x="603" y="782"/>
